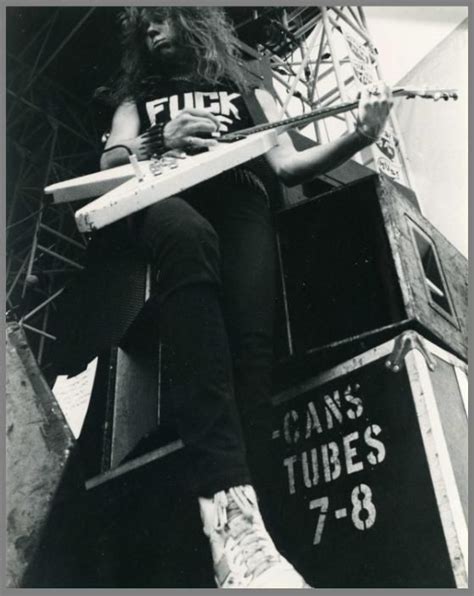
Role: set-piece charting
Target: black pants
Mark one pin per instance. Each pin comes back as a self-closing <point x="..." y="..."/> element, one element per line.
<point x="214" y="249"/>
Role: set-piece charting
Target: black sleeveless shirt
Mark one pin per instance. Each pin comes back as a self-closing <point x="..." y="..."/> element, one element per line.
<point x="162" y="100"/>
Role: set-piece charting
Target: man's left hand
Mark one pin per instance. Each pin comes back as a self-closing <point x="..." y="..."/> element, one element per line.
<point x="374" y="107"/>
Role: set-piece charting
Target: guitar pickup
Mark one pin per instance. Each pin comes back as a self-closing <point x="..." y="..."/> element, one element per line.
<point x="196" y="150"/>
<point x="231" y="138"/>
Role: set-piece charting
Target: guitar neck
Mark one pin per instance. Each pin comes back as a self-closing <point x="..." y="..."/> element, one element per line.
<point x="308" y="117"/>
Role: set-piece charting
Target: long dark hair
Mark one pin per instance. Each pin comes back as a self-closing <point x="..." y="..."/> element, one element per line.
<point x="205" y="31"/>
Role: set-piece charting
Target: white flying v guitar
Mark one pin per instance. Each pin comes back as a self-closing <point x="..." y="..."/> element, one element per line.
<point x="132" y="187"/>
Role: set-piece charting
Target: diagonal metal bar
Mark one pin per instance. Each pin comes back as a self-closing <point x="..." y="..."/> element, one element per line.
<point x="63" y="236"/>
<point x="247" y="49"/>
<point x="42" y="305"/>
<point x="327" y="72"/>
<point x="48" y="82"/>
<point x="55" y="254"/>
<point x="322" y="45"/>
<point x="277" y="62"/>
<point x="355" y="16"/>
<point x="17" y="277"/>
<point x="48" y="23"/>
<point x="65" y="41"/>
<point x="329" y="94"/>
<point x="353" y="25"/>
<point x="39" y="331"/>
<point x="308" y="26"/>
<point x="337" y="67"/>
<point x="23" y="219"/>
<point x="38" y="222"/>
<point x="311" y="44"/>
<point x="43" y="337"/>
<point x="287" y="86"/>
<point x="280" y="101"/>
<point x="50" y="118"/>
<point x="61" y="271"/>
<point x="297" y="12"/>
<point x="39" y="53"/>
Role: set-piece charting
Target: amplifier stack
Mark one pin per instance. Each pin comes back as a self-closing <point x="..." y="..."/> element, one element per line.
<point x="370" y="415"/>
<point x="371" y="392"/>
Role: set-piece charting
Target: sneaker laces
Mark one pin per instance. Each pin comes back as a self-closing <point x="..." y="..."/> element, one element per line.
<point x="237" y="512"/>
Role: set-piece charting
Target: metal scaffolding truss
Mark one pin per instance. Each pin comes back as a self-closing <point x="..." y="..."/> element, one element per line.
<point x="50" y="136"/>
<point x="319" y="56"/>
<point x="333" y="57"/>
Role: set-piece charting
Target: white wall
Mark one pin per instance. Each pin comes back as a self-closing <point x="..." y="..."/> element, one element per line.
<point x="405" y="34"/>
<point x="436" y="138"/>
<point x="426" y="46"/>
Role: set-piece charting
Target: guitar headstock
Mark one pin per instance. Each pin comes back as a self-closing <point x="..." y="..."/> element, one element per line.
<point x="435" y="94"/>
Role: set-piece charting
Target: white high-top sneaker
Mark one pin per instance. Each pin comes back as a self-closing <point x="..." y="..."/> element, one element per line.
<point x="243" y="553"/>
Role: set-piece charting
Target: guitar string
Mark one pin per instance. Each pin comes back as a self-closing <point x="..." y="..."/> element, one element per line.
<point x="325" y="112"/>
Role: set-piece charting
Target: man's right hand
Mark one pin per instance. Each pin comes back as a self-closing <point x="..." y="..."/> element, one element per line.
<point x="191" y="128"/>
<point x="142" y="146"/>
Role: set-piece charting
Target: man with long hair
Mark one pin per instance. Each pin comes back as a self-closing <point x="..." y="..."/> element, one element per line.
<point x="213" y="251"/>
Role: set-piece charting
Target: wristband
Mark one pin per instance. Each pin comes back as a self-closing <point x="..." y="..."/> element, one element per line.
<point x="159" y="145"/>
<point x="359" y="129"/>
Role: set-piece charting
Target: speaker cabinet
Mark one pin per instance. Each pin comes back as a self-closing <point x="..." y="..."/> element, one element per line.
<point x="360" y="263"/>
<point x="373" y="469"/>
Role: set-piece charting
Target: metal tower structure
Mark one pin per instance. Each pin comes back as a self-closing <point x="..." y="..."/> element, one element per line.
<point x="50" y="136"/>
<point x="318" y="56"/>
<point x="323" y="56"/>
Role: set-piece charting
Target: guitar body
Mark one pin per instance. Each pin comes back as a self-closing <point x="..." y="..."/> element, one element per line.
<point x="134" y="195"/>
<point x="92" y="185"/>
<point x="139" y="190"/>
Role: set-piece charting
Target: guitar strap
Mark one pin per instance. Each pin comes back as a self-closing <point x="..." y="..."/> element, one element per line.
<point x="260" y="165"/>
<point x="299" y="140"/>
<point x="276" y="189"/>
<point x="254" y="108"/>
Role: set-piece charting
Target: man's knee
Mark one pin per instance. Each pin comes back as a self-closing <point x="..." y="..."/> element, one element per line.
<point x="183" y="245"/>
<point x="197" y="234"/>
<point x="173" y="228"/>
